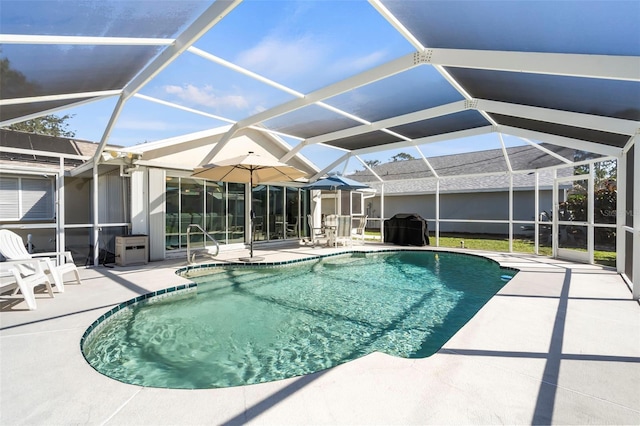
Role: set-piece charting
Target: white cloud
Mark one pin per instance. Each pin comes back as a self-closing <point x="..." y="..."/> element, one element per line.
<point x="350" y="66"/>
<point x="280" y="57"/>
<point x="206" y="96"/>
<point x="258" y="109"/>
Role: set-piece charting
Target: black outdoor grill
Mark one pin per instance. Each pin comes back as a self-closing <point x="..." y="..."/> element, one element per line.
<point x="406" y="229"/>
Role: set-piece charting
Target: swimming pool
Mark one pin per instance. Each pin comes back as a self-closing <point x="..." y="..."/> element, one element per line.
<point x="255" y="324"/>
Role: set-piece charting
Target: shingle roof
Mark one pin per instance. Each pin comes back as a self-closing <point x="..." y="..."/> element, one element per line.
<point x="414" y="176"/>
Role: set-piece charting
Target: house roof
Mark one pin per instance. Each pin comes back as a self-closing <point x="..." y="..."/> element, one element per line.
<point x="187" y="151"/>
<point x="468" y="184"/>
<point x="478" y="162"/>
<point x="416" y="177"/>
<point x="463" y="69"/>
<point x="34" y="150"/>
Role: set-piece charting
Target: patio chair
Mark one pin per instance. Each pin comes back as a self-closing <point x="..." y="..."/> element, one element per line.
<point x="292" y="228"/>
<point x="315" y="232"/>
<point x="343" y="230"/>
<point x="11" y="279"/>
<point x="358" y="232"/>
<point x="12" y="249"/>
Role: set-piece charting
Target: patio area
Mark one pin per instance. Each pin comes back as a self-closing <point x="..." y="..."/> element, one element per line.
<point x="559" y="344"/>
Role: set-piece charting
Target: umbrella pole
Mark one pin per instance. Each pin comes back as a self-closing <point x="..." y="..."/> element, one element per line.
<point x="251" y="258"/>
<point x="251" y="213"/>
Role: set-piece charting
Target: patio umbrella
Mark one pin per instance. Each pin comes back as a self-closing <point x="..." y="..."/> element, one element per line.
<point x="335" y="183"/>
<point x="249" y="168"/>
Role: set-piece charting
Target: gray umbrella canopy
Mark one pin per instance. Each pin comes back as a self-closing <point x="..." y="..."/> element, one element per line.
<point x="249" y="168"/>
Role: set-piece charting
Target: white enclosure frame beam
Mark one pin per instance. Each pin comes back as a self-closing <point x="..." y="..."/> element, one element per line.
<point x="536" y="207"/>
<point x="183" y="108"/>
<point x="608" y="67"/>
<point x="424" y="159"/>
<point x="60" y="211"/>
<point x="322" y="172"/>
<point x="567" y="118"/>
<point x="621" y="213"/>
<point x="50" y="98"/>
<point x="404" y="32"/>
<point x="378" y="73"/>
<point x="609" y="151"/>
<point x="636" y="221"/>
<point x="364" y="163"/>
<point x="425" y="114"/>
<point x="207" y="20"/>
<point x="427" y="140"/>
<point x="83" y="40"/>
<point x="54" y="110"/>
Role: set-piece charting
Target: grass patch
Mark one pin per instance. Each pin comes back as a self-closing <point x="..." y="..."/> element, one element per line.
<point x="493" y="243"/>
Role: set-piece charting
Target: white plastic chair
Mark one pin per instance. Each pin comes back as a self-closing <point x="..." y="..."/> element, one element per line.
<point x="343" y="233"/>
<point x="12" y="279"/>
<point x="12" y="248"/>
<point x="358" y="232"/>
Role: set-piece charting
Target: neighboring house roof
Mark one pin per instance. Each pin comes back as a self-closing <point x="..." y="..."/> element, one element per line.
<point x="12" y="141"/>
<point x="414" y="176"/>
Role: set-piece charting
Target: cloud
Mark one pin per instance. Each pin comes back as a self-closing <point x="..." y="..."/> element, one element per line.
<point x="283" y="57"/>
<point x="206" y="96"/>
<point x="359" y="64"/>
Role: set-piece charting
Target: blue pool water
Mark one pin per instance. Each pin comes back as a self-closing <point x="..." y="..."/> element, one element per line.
<point x="250" y="325"/>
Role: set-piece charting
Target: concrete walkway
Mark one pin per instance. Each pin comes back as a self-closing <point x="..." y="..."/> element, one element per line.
<point x="560" y="344"/>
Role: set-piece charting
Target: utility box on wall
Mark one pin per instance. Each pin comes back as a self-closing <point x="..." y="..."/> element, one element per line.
<point x="132" y="249"/>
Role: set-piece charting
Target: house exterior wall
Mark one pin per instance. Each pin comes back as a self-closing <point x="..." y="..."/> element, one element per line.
<point x="461" y="206"/>
<point x="156" y="209"/>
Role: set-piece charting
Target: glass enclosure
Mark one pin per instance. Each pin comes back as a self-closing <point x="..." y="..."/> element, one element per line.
<point x="219" y="209"/>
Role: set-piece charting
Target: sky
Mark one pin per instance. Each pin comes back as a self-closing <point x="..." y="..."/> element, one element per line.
<point x="303" y="45"/>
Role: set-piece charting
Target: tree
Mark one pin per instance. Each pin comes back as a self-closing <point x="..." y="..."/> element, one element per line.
<point x="402" y="156"/>
<point x="51" y="125"/>
<point x="603" y="171"/>
<point x="372" y="163"/>
<point x="14" y="84"/>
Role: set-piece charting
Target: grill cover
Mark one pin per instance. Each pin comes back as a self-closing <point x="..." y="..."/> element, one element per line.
<point x="406" y="229"/>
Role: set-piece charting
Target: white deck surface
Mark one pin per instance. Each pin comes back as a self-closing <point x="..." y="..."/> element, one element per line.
<point x="560" y="343"/>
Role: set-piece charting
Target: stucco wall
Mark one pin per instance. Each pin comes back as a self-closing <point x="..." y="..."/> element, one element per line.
<point x="471" y="206"/>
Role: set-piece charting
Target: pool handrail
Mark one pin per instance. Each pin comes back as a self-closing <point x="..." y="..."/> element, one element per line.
<point x="191" y="257"/>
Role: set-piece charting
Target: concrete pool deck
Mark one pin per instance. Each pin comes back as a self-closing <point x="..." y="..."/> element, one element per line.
<point x="559" y="344"/>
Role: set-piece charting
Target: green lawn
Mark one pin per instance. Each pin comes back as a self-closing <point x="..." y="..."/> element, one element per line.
<point x="485" y="242"/>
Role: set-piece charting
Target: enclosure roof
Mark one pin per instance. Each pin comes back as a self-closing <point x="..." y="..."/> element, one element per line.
<point x="563" y="73"/>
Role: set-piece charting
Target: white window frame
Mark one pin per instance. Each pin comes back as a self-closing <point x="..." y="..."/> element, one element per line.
<point x="23" y="208"/>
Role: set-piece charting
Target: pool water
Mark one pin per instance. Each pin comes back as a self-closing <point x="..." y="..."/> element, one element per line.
<point x="252" y="325"/>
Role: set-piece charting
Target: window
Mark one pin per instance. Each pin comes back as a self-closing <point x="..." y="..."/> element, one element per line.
<point x="26" y="198"/>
